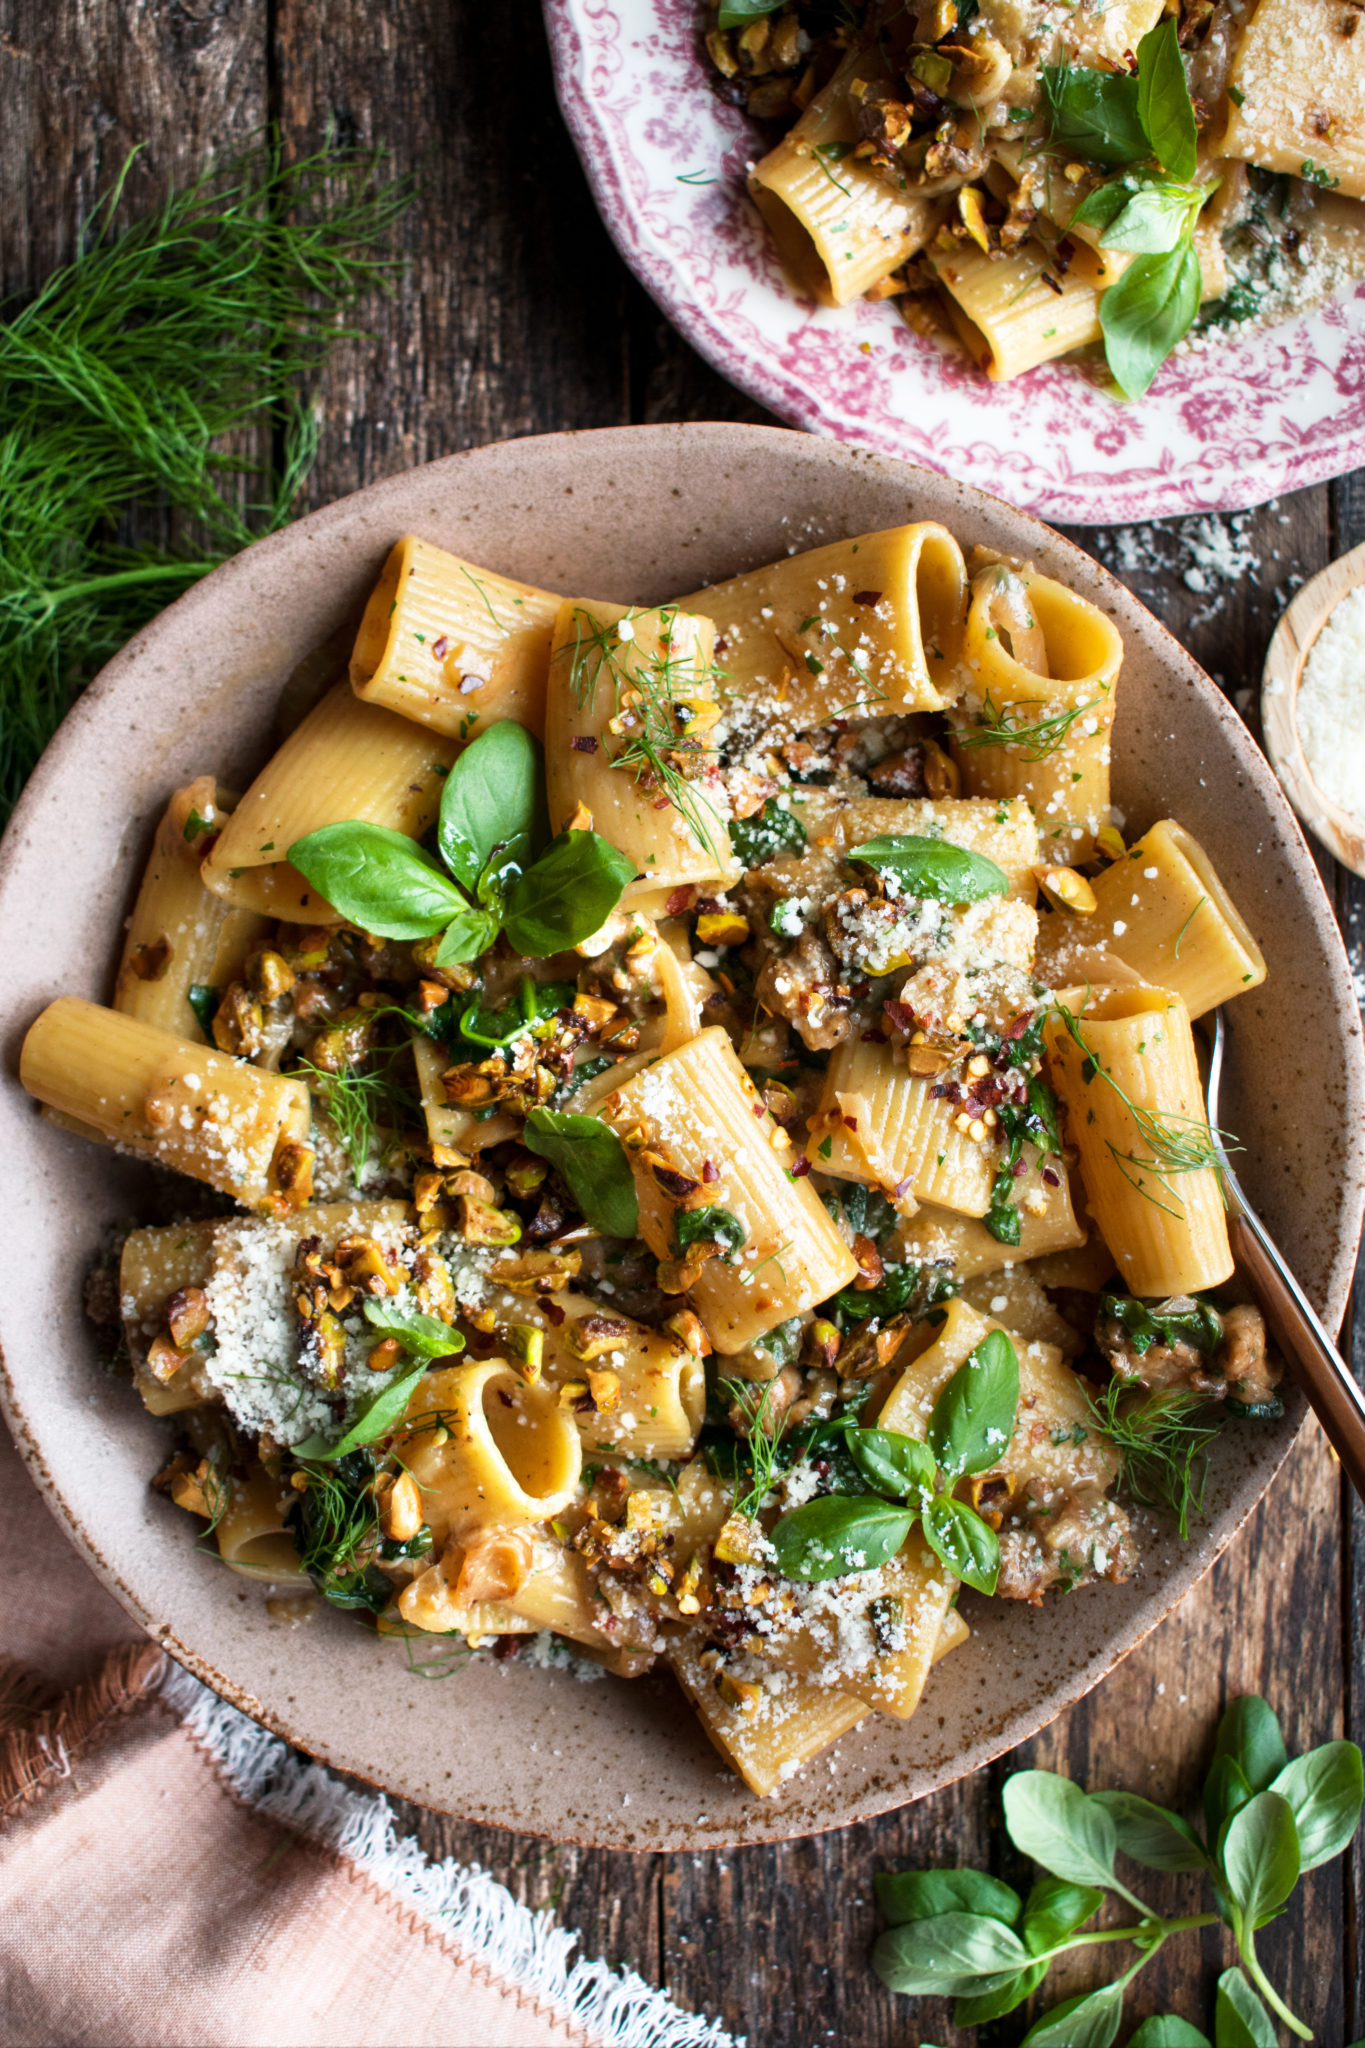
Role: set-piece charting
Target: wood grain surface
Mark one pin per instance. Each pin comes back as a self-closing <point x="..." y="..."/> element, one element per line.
<point x="515" y="316"/>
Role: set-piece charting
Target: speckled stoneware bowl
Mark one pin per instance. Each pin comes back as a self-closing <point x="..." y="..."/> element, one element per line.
<point x="635" y="514"/>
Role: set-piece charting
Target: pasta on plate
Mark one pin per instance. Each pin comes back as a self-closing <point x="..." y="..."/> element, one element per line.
<point x="698" y="1137"/>
<point x="1029" y="179"/>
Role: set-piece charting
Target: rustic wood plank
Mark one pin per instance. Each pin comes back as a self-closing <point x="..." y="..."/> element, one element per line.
<point x="83" y="84"/>
<point x="509" y="317"/>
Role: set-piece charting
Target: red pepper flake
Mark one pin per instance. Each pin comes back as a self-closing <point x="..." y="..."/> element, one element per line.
<point x="583" y="743"/>
<point x="874" y="1038"/>
<point x="1051" y="1179"/>
<point x="1020" y="1024"/>
<point x="1019" y="1169"/>
<point x="898" y="1015"/>
<point x="440" y="648"/>
<point x="901" y="1189"/>
<point x="722" y="644"/>
<point x="852" y="1122"/>
<point x="663" y="803"/>
<point x="760" y="1108"/>
<point x="551" y="1309"/>
<point x="938" y="1091"/>
<point x="870" y="598"/>
<point x="1051" y="283"/>
<point x="679" y="901"/>
<point x="801" y="1168"/>
<point x="505" y="1647"/>
<point x="709" y="1171"/>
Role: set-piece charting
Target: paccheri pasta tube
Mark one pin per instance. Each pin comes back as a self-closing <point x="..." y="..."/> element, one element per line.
<point x="453" y="646"/>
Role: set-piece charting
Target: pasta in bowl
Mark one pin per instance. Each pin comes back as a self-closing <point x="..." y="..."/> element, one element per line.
<point x="707" y="1289"/>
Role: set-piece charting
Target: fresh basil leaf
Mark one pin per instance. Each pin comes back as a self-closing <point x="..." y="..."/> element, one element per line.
<point x="973" y="1418"/>
<point x="1260" y="1855"/>
<point x="977" y="2008"/>
<point x="1225" y="1791"/>
<point x="838" y="1534"/>
<point x="1325" y="1790"/>
<point x="1164" y="106"/>
<point x="423" y="1336"/>
<point x="1061" y="1827"/>
<point x="895" y="1465"/>
<point x="1249" y="1731"/>
<point x="767" y="834"/>
<point x="739" y="13"/>
<point x="1151" y="214"/>
<point x="906" y="1895"/>
<point x="1056" y="1909"/>
<point x="1152" y="1835"/>
<point x="950" y="1953"/>
<point x="1239" y="2018"/>
<point x="491" y="804"/>
<point x="1094" y="114"/>
<point x="1102" y="206"/>
<point x="711" y="1225"/>
<point x="567" y="895"/>
<point x="204" y="1001"/>
<point x="593" y="1163"/>
<point x="468" y="934"/>
<point x="967" y="1545"/>
<point x="1146" y="312"/>
<point x="377" y="879"/>
<point x="1183" y="1319"/>
<point x="933" y="867"/>
<point x="380" y="1418"/>
<point x="1167" y="2030"/>
<point x="1090" y="2021"/>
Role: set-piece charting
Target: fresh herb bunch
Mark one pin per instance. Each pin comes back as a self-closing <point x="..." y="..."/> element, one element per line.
<point x="1128" y="121"/>
<point x="495" y="877"/>
<point x="121" y="382"/>
<point x="970" y="1427"/>
<point x="959" y="1933"/>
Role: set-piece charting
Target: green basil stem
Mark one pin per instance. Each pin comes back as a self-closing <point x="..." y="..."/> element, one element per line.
<point x="1245" y="1938"/>
<point x="1151" y="1931"/>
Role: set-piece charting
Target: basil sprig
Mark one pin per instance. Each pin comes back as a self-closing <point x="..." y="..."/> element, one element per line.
<point x="933" y="867"/>
<point x="490" y="830"/>
<point x="1111" y="118"/>
<point x="593" y="1163"/>
<point x="969" y="1430"/>
<point x="961" y="1934"/>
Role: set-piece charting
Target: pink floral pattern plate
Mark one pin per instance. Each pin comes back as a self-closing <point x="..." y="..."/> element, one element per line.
<point x="1226" y="425"/>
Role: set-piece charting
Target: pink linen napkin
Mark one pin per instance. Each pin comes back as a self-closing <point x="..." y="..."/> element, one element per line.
<point x="171" y="1874"/>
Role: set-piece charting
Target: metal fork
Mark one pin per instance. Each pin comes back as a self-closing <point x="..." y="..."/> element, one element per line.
<point x="1326" y="1379"/>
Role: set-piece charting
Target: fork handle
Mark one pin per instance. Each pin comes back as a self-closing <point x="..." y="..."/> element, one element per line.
<point x="1327" y="1381"/>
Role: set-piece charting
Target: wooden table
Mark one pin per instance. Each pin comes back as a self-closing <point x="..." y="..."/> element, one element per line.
<point x="515" y="317"/>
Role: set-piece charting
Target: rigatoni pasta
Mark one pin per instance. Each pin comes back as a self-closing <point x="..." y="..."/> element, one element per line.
<point x="682" y="1210"/>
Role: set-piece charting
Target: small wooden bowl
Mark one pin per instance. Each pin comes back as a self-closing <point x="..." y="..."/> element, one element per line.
<point x="1284" y="664"/>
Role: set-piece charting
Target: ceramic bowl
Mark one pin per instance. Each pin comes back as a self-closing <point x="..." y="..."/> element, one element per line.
<point x="633" y="514"/>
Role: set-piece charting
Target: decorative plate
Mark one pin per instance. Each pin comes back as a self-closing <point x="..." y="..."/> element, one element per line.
<point x="1225" y="425"/>
<point x="622" y="1764"/>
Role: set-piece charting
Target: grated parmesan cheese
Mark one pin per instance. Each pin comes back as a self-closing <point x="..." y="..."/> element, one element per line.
<point x="1331" y="707"/>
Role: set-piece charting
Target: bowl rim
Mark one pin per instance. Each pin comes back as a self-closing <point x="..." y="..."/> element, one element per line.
<point x="1199" y="1557"/>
